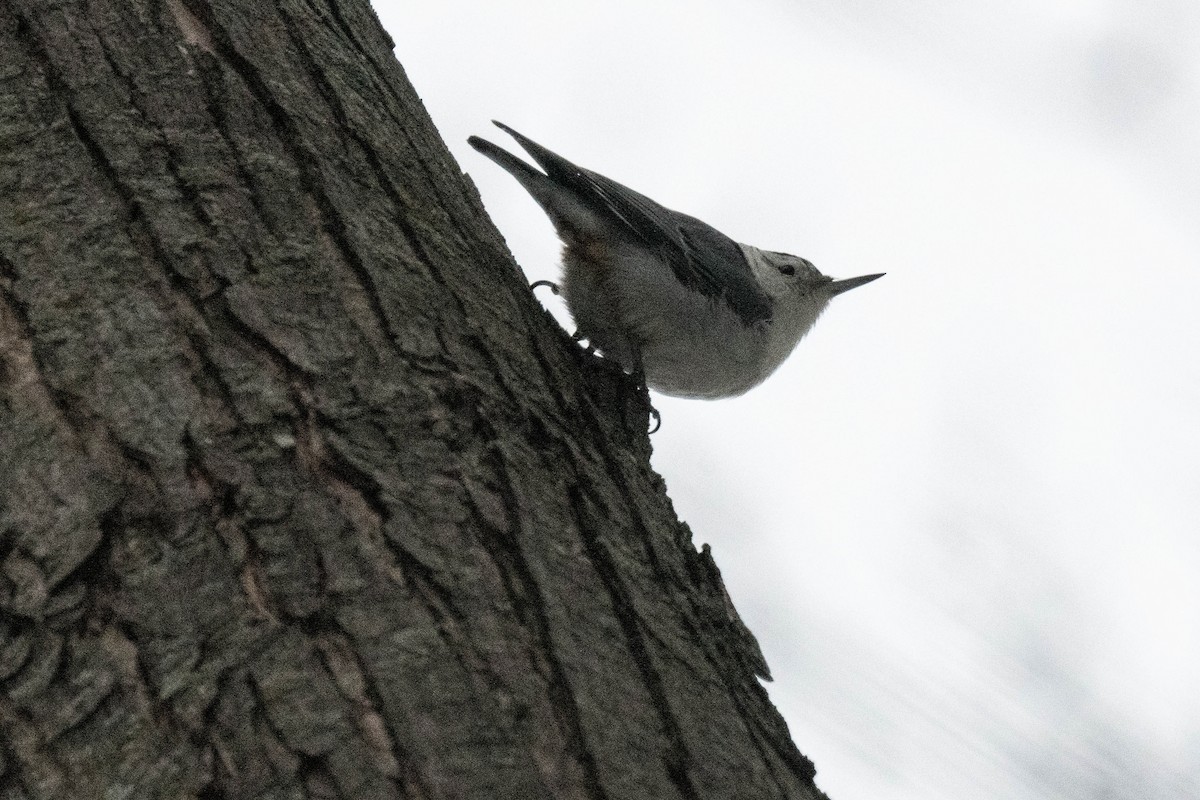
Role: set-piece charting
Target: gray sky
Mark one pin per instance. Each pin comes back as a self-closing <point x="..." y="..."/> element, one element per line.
<point x="963" y="518"/>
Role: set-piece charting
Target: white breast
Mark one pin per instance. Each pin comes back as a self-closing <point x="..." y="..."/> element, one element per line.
<point x="691" y="346"/>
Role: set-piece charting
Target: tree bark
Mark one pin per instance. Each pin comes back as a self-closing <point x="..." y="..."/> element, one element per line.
<point x="302" y="495"/>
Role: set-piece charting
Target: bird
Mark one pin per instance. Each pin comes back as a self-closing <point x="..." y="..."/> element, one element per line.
<point x="676" y="303"/>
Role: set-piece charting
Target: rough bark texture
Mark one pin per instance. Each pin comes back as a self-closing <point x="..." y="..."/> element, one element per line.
<point x="301" y="493"/>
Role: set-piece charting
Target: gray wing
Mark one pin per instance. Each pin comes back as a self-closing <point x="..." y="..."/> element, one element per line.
<point x="702" y="258"/>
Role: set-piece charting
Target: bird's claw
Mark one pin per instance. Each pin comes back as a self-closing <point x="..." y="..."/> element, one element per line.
<point x="551" y="284"/>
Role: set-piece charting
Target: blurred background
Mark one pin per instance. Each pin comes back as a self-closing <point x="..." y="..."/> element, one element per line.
<point x="963" y="520"/>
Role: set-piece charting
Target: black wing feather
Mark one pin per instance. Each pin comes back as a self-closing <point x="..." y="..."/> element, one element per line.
<point x="702" y="258"/>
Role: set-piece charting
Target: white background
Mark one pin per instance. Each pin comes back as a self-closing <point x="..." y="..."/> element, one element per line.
<point x="964" y="518"/>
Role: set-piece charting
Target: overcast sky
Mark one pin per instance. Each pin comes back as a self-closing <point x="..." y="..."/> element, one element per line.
<point x="964" y="518"/>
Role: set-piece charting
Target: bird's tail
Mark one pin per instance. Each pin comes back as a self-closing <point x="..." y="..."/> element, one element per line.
<point x="521" y="170"/>
<point x="553" y="190"/>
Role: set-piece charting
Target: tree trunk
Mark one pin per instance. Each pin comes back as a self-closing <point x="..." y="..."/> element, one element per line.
<point x="302" y="495"/>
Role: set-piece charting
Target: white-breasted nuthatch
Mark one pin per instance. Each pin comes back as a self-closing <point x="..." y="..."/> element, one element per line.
<point x="671" y="299"/>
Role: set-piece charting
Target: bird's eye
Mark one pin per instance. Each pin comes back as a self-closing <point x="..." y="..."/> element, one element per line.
<point x="788" y="270"/>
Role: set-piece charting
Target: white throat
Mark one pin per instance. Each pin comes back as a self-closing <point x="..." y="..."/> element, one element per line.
<point x="797" y="305"/>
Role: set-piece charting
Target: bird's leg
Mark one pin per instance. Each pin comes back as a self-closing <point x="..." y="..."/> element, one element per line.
<point x="643" y="389"/>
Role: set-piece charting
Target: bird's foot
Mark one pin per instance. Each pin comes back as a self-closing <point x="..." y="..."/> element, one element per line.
<point x="657" y="418"/>
<point x="643" y="392"/>
<point x="636" y="376"/>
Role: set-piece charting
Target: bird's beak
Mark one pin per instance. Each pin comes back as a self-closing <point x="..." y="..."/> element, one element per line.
<point x="837" y="287"/>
